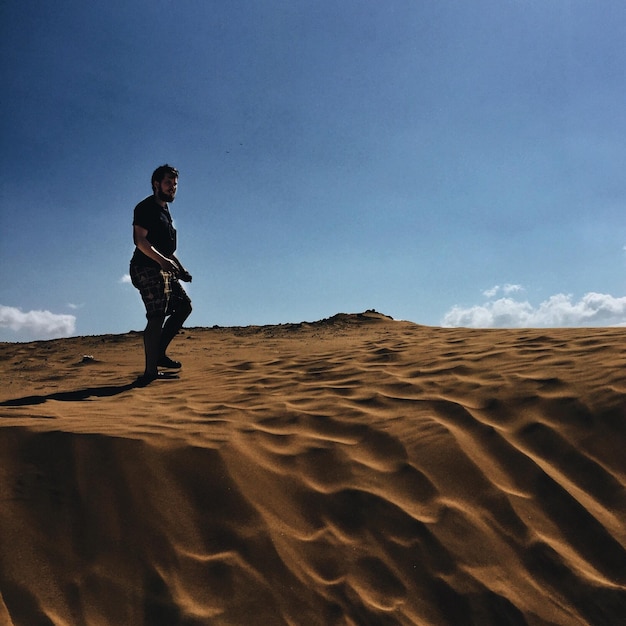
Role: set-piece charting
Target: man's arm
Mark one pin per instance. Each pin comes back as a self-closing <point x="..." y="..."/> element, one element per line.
<point x="140" y="237"/>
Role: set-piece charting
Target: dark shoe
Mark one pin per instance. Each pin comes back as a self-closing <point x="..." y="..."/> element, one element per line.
<point x="146" y="379"/>
<point x="165" y="361"/>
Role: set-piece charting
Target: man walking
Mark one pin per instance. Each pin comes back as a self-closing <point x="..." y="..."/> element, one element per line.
<point x="155" y="272"/>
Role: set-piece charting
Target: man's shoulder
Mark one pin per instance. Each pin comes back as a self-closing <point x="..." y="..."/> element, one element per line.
<point x="148" y="208"/>
<point x="147" y="203"/>
<point x="146" y="213"/>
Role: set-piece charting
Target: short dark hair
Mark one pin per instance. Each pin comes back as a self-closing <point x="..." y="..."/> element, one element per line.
<point x="161" y="172"/>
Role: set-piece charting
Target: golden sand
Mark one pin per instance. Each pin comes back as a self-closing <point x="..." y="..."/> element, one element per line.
<point x="358" y="471"/>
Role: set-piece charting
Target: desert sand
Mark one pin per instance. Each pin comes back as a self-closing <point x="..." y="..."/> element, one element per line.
<point x="355" y="471"/>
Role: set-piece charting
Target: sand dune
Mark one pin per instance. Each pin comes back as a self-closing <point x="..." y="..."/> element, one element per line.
<point x="357" y="471"/>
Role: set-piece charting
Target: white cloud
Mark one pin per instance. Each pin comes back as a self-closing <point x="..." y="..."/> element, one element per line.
<point x="593" y="309"/>
<point x="37" y="324"/>
<point x="75" y="306"/>
<point x="506" y="289"/>
<point x="125" y="279"/>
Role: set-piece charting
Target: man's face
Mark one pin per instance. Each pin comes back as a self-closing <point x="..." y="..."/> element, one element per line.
<point x="166" y="189"/>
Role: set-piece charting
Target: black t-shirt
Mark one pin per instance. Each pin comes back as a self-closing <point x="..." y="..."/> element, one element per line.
<point x="149" y="214"/>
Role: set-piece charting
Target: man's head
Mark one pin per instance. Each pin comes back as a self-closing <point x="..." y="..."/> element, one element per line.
<point x="165" y="182"/>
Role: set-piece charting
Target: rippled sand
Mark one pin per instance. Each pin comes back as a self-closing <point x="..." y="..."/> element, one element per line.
<point x="355" y="471"/>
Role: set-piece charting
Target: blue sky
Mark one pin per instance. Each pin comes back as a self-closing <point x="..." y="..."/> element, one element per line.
<point x="445" y="162"/>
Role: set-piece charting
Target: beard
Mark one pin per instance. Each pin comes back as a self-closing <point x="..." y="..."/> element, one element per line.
<point x="165" y="197"/>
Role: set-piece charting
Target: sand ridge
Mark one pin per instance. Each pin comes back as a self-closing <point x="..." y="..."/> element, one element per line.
<point x="353" y="471"/>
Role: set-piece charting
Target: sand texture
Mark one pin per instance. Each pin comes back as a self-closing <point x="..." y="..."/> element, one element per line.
<point x="357" y="471"/>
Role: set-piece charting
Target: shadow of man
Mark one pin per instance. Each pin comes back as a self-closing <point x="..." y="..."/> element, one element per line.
<point x="71" y="396"/>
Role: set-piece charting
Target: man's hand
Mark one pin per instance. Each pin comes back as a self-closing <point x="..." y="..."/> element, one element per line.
<point x="184" y="275"/>
<point x="180" y="272"/>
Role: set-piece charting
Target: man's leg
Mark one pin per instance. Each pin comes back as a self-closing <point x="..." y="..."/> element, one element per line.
<point x="173" y="325"/>
<point x="151" y="342"/>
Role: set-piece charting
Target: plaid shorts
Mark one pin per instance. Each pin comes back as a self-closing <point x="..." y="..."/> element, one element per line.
<point x="160" y="291"/>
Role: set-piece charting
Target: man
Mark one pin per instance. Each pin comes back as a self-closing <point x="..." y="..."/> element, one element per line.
<point x="155" y="271"/>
